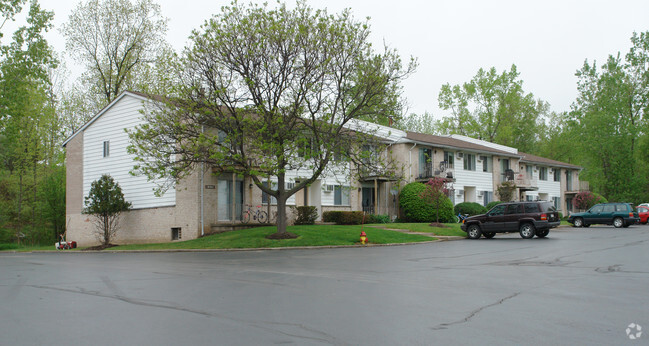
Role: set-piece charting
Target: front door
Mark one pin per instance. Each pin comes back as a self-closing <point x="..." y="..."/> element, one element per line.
<point x="230" y="198"/>
<point x="367" y="200"/>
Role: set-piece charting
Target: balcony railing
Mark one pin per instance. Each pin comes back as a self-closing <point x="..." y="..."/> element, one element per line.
<point x="524" y="181"/>
<point x="443" y="170"/>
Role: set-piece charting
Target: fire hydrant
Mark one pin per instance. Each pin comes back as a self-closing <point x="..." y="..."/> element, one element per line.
<point x="363" y="237"/>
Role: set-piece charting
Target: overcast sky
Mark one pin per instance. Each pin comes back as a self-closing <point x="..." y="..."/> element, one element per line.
<point x="547" y="40"/>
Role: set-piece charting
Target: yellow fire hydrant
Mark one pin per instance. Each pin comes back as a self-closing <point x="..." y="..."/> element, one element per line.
<point x="363" y="237"/>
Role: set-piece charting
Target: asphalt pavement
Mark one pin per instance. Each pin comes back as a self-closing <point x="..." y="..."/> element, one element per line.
<point x="576" y="287"/>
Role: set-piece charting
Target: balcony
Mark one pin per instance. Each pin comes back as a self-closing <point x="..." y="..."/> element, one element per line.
<point x="521" y="179"/>
<point x="583" y="186"/>
<point x="443" y="170"/>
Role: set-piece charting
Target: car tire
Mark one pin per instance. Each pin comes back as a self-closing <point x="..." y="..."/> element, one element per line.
<point x="542" y="234"/>
<point x="579" y="222"/>
<point x="473" y="232"/>
<point x="489" y="235"/>
<point x="527" y="230"/>
<point x="618" y="222"/>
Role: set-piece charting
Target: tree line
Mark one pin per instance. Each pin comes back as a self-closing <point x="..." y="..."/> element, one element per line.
<point x="121" y="46"/>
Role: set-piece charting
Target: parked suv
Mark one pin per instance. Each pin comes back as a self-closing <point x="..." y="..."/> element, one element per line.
<point x="616" y="214"/>
<point x="527" y="218"/>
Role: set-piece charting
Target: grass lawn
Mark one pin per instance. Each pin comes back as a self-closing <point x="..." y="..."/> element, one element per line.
<point x="452" y="230"/>
<point x="313" y="235"/>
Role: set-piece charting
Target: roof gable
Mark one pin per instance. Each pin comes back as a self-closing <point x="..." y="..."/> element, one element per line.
<point x="124" y="94"/>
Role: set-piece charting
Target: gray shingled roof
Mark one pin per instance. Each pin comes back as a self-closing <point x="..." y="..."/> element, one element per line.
<point x="452" y="143"/>
<point x="542" y="160"/>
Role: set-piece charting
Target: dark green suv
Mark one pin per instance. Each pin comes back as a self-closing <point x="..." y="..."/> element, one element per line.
<point x="616" y="214"/>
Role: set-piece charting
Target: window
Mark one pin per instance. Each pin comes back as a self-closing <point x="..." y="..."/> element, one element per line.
<point x="568" y="181"/>
<point x="514" y="209"/>
<point x="531" y="208"/>
<point x="529" y="198"/>
<point x="425" y="162"/>
<point x="176" y="233"/>
<point x="341" y="195"/>
<point x="106" y="148"/>
<point x="557" y="201"/>
<point x="264" y="196"/>
<point x="469" y="162"/>
<point x="609" y="208"/>
<point x="543" y="173"/>
<point x="488" y="197"/>
<point x="597" y="209"/>
<point x="557" y="174"/>
<point x="498" y="210"/>
<point x="449" y="157"/>
<point x="486" y="163"/>
<point x="530" y="171"/>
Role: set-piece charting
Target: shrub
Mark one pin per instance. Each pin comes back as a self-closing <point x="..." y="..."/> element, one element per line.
<point x="470" y="208"/>
<point x="492" y="204"/>
<point x="415" y="209"/>
<point x="350" y="217"/>
<point x="306" y="215"/>
<point x="9" y="246"/>
<point x="331" y="216"/>
<point x="377" y="218"/>
<point x="586" y="199"/>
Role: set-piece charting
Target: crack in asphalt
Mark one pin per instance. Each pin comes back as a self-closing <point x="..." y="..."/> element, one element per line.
<point x="319" y="335"/>
<point x="473" y="313"/>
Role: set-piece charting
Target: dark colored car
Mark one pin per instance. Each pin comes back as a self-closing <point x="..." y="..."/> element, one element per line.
<point x="643" y="214"/>
<point x="616" y="214"/>
<point x="527" y="218"/>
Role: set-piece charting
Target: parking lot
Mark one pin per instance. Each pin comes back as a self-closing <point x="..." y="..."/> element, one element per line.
<point x="577" y="286"/>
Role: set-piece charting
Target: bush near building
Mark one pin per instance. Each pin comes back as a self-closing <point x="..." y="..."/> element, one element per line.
<point x="470" y="208"/>
<point x="415" y="209"/>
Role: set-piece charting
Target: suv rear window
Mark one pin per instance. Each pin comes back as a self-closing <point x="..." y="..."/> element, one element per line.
<point x="548" y="207"/>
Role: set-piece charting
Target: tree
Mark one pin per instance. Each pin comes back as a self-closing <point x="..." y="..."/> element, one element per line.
<point x="506" y="191"/>
<point x="493" y="107"/>
<point x="421" y="123"/>
<point x="116" y="40"/>
<point x="26" y="146"/>
<point x="435" y="194"/>
<point x="105" y="202"/>
<point x="264" y="91"/>
<point x="609" y="123"/>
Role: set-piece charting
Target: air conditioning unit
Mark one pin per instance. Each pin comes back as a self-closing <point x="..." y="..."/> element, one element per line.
<point x="460" y="155"/>
<point x="330" y="188"/>
<point x="459" y="192"/>
<point x="480" y="193"/>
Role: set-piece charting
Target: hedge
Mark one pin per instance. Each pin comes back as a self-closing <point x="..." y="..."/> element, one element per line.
<point x="470" y="208"/>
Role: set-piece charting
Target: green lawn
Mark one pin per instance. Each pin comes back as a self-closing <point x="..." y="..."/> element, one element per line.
<point x="315" y="235"/>
<point x="452" y="230"/>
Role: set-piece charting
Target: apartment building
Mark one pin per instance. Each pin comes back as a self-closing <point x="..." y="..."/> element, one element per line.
<point x="207" y="201"/>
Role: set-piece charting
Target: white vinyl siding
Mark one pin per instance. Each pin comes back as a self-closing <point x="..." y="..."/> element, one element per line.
<point x="101" y="158"/>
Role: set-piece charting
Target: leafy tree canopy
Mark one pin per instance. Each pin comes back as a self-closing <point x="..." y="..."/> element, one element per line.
<point x="263" y="91"/>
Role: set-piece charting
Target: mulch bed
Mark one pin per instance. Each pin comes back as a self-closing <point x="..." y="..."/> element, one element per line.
<point x="99" y="247"/>
<point x="285" y="235"/>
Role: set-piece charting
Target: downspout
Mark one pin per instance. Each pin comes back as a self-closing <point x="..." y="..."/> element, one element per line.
<point x="202" y="192"/>
<point x="410" y="161"/>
